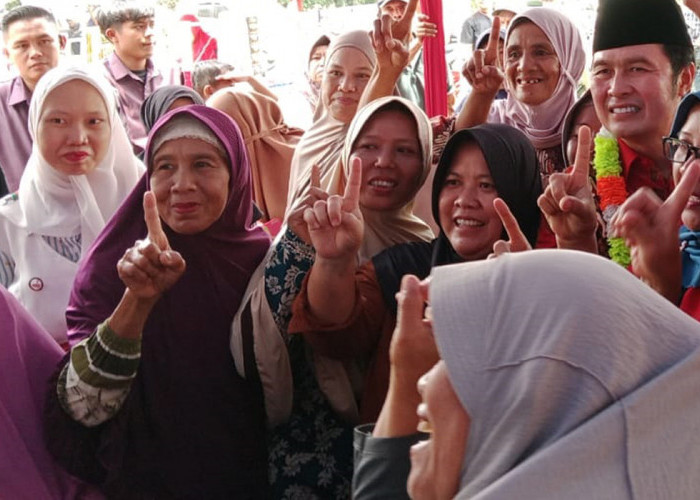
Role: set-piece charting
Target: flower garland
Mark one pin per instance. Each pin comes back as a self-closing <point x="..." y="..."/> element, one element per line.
<point x="612" y="189"/>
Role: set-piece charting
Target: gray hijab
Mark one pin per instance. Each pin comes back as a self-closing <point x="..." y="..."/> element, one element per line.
<point x="581" y="382"/>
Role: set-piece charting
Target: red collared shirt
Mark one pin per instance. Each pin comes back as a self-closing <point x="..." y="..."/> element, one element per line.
<point x="640" y="171"/>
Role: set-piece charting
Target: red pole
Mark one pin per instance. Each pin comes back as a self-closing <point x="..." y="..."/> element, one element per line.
<point x="434" y="62"/>
<point x="300" y="5"/>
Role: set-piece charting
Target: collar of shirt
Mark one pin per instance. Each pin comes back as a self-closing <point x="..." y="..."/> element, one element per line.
<point x="638" y="171"/>
<point x="119" y="69"/>
<point x="19" y="92"/>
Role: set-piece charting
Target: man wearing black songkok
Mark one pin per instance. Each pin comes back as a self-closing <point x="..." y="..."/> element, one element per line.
<point x="642" y="67"/>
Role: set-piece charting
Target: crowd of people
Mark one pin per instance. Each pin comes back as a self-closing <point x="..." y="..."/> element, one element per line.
<point x="201" y="301"/>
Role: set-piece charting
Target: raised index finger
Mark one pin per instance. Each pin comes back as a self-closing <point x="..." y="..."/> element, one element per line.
<point x="582" y="163"/>
<point x="510" y="223"/>
<point x="351" y="197"/>
<point x="678" y="199"/>
<point x="150" y="215"/>
<point x="492" y="45"/>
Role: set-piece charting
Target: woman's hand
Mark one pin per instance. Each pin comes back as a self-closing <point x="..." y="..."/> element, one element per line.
<point x="413" y="352"/>
<point x="649" y="226"/>
<point x="517" y="242"/>
<point x="150" y="267"/>
<point x="481" y="70"/>
<point x="392" y="54"/>
<point x="424" y="28"/>
<point x="335" y="225"/>
<point x="295" y="220"/>
<point x="567" y="202"/>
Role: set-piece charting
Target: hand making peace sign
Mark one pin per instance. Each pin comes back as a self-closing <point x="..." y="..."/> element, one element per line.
<point x="482" y="70"/>
<point x="335" y="225"/>
<point x="567" y="202"/>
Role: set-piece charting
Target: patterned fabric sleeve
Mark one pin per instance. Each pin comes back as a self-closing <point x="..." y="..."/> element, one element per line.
<point x="285" y="271"/>
<point x="93" y="385"/>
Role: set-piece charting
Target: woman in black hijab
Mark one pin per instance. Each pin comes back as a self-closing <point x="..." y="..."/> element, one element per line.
<point x="477" y="166"/>
<point x="165" y="99"/>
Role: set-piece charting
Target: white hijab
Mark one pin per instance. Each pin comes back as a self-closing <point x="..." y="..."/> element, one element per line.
<point x="56" y="204"/>
<point x="580" y="381"/>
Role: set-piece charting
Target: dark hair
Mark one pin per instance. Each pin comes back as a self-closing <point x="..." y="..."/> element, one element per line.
<point x="679" y="56"/>
<point x="23" y="13"/>
<point x="117" y="13"/>
<point x="205" y="73"/>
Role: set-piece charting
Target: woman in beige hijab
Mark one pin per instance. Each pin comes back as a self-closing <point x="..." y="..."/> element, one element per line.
<point x="350" y="61"/>
<point x="270" y="143"/>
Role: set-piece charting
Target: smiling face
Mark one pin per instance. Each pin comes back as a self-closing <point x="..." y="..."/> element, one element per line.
<point x="531" y="64"/>
<point x="467" y="216"/>
<point x="189" y="178"/>
<point x="690" y="133"/>
<point x="635" y="94"/>
<point x="32" y="46"/>
<point x="346" y="76"/>
<point x="436" y="463"/>
<point x="74" y="131"/>
<point x="392" y="160"/>
<point x="133" y="42"/>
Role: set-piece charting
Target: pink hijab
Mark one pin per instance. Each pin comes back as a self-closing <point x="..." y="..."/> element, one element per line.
<point x="542" y="123"/>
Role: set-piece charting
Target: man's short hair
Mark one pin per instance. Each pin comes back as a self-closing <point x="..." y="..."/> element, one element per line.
<point x="680" y="56"/>
<point x="205" y="73"/>
<point x="24" y="13"/>
<point x="117" y="13"/>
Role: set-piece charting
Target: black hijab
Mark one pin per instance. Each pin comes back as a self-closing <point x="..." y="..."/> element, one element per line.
<point x="512" y="162"/>
<point x="157" y="104"/>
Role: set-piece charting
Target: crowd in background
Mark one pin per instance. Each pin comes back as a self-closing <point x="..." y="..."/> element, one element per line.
<point x="431" y="290"/>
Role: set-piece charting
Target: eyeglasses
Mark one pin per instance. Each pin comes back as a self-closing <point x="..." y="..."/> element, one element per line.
<point x="679" y="151"/>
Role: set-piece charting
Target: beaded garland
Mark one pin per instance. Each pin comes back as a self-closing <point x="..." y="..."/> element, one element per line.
<point x="612" y="190"/>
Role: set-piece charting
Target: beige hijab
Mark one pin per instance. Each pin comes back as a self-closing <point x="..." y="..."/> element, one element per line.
<point x="386" y="229"/>
<point x="323" y="143"/>
<point x="269" y="141"/>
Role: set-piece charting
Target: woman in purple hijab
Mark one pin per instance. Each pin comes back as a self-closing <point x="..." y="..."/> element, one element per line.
<point x="156" y="406"/>
<point x="28" y="355"/>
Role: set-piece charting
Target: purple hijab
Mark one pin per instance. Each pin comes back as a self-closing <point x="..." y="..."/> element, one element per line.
<point x="190" y="426"/>
<point x="28" y="356"/>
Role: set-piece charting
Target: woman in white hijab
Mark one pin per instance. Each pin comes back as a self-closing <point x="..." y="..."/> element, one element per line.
<point x="595" y="397"/>
<point x="80" y="170"/>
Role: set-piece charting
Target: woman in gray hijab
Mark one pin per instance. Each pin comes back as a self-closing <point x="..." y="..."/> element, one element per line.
<point x="562" y="376"/>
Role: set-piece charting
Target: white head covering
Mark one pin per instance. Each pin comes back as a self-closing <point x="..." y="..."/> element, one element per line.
<point x="580" y="381"/>
<point x="56" y="204"/>
<point x="542" y="123"/>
